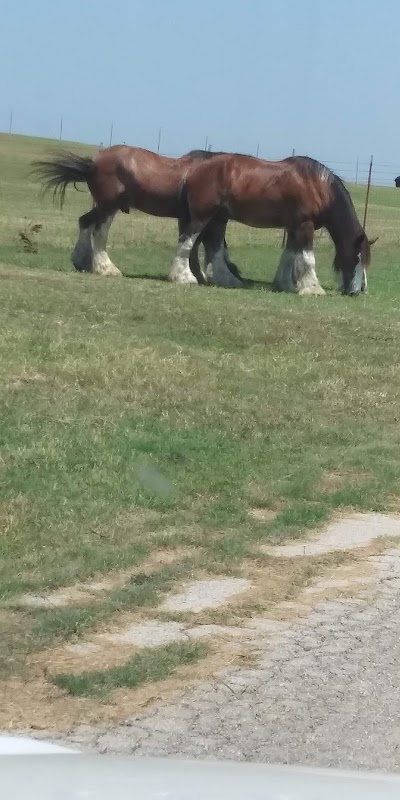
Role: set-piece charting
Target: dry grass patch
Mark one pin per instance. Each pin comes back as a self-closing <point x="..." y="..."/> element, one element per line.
<point x="26" y="378"/>
<point x="92" y="591"/>
<point x="40" y="705"/>
<point x="145" y="666"/>
<point x="97" y="651"/>
<point x="261" y="514"/>
<point x="336" y="479"/>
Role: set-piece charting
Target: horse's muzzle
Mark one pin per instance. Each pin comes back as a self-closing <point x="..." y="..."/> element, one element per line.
<point x="357" y="284"/>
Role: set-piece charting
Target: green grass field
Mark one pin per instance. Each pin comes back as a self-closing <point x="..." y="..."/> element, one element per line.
<point x="139" y="416"/>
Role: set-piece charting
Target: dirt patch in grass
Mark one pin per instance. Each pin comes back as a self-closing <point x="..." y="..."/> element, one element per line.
<point x="26" y="378"/>
<point x="337" y="479"/>
<point x="357" y="581"/>
<point x="261" y="514"/>
<point x="261" y="495"/>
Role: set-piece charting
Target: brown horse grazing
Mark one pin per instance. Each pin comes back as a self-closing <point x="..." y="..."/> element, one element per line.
<point x="120" y="178"/>
<point x="298" y="194"/>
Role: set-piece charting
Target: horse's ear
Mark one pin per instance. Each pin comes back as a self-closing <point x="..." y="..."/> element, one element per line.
<point x="372" y="241"/>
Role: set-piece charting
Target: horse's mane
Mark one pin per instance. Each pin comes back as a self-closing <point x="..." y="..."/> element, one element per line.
<point x="340" y="194"/>
<point x="210" y="153"/>
<point x="311" y="165"/>
<point x="203" y="154"/>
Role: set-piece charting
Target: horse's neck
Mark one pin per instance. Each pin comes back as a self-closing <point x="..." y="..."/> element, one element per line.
<point x="342" y="222"/>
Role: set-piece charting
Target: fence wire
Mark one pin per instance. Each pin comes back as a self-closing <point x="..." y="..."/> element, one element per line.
<point x="352" y="171"/>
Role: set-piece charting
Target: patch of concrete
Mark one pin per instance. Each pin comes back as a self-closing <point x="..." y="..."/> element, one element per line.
<point x="387" y="567"/>
<point x="129" y="634"/>
<point x="149" y="634"/>
<point x="350" y="533"/>
<point x="205" y="594"/>
<point x="387" y="563"/>
<point x="154" y="633"/>
<point x="263" y="626"/>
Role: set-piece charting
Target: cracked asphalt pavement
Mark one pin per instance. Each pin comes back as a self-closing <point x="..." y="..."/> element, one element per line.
<point x="325" y="694"/>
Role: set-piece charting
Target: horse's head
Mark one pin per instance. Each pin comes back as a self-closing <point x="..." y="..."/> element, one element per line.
<point x="352" y="264"/>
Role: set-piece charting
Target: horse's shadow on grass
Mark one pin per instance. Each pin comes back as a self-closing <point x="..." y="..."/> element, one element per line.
<point x="146" y="277"/>
<point x="248" y="283"/>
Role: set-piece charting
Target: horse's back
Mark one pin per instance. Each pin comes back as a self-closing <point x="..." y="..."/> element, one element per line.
<point x="257" y="192"/>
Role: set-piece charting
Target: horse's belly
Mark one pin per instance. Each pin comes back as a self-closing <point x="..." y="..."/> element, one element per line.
<point x="259" y="216"/>
<point x="254" y="222"/>
<point x="157" y="207"/>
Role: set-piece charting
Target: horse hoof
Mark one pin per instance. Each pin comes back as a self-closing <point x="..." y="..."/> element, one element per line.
<point x="107" y="270"/>
<point x="236" y="283"/>
<point x="312" y="291"/>
<point x="184" y="280"/>
<point x="81" y="266"/>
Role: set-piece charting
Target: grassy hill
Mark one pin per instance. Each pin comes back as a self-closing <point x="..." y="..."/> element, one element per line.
<point x="139" y="418"/>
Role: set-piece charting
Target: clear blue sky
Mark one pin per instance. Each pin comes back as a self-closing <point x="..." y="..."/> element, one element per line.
<point x="321" y="76"/>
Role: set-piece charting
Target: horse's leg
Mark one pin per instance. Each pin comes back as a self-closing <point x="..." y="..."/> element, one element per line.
<point x="283" y="281"/>
<point x="199" y="272"/>
<point x="284" y="277"/>
<point x="180" y="271"/>
<point x="102" y="264"/>
<point x="195" y="265"/>
<point x="197" y="269"/>
<point x="194" y="261"/>
<point x="304" y="275"/>
<point x="82" y="254"/>
<point x="296" y="270"/>
<point x="217" y="267"/>
<point x="230" y="264"/>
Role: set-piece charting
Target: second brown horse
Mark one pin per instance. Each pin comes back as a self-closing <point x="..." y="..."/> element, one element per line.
<point x="298" y="194"/>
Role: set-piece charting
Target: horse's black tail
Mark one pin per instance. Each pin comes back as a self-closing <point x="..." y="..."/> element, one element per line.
<point x="63" y="169"/>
